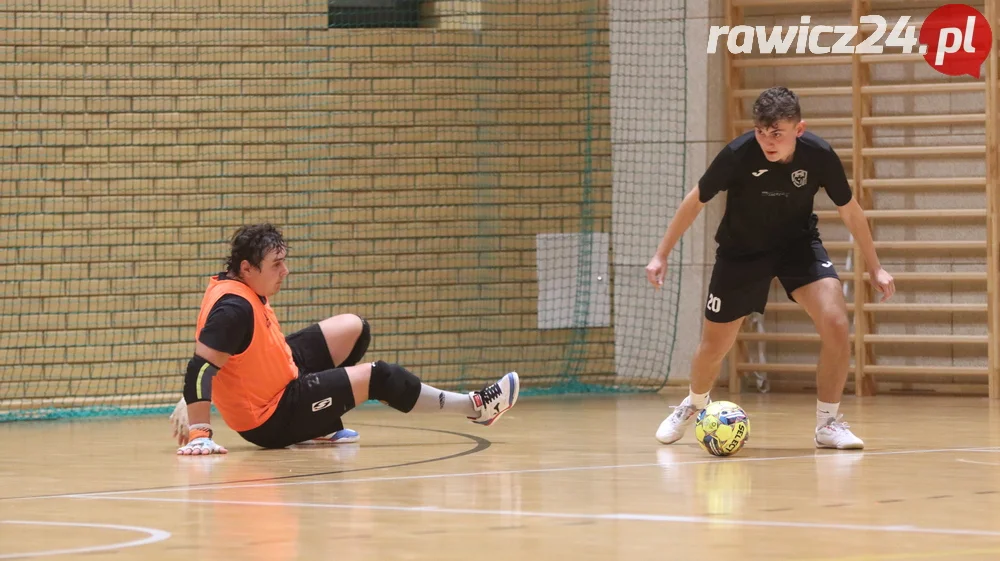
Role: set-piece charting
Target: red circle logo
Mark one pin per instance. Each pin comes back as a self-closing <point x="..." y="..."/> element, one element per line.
<point x="955" y="40"/>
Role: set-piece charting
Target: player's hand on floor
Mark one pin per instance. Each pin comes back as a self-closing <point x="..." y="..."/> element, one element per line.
<point x="179" y="421"/>
<point x="656" y="271"/>
<point x="200" y="442"/>
<point x="201" y="447"/>
<point x="884" y="283"/>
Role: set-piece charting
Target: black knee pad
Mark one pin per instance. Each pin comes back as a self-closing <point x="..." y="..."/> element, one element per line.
<point x="394" y="385"/>
<point x="360" y="346"/>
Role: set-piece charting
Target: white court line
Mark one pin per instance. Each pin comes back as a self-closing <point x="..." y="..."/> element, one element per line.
<point x="963" y="460"/>
<point x="617" y="516"/>
<point x="154" y="536"/>
<point x="219" y="486"/>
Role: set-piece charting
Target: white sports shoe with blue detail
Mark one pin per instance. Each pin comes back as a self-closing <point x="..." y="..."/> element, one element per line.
<point x="343" y="436"/>
<point x="495" y="399"/>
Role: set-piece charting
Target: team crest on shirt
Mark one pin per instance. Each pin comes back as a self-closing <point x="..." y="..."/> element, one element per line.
<point x="800" y="177"/>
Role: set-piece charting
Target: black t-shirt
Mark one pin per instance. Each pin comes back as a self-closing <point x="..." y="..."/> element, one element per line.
<point x="229" y="326"/>
<point x="771" y="204"/>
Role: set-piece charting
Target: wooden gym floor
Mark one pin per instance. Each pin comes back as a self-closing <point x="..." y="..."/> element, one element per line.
<point x="556" y="478"/>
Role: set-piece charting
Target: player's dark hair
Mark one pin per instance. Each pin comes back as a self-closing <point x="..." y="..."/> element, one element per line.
<point x="776" y="104"/>
<point x="251" y="243"/>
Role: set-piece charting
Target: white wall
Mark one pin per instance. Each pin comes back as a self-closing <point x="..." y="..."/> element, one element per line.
<point x="665" y="128"/>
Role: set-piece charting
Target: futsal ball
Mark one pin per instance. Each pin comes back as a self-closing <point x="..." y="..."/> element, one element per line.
<point x="722" y="428"/>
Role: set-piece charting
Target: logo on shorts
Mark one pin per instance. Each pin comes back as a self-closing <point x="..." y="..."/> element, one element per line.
<point x="714" y="303"/>
<point x="322" y="404"/>
<point x="828" y="264"/>
<point x="800" y="177"/>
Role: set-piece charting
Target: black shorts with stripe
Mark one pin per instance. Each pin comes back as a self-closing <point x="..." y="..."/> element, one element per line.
<point x="740" y="286"/>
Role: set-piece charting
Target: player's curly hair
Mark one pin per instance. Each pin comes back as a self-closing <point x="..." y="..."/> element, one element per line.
<point x="776" y="104"/>
<point x="251" y="243"/>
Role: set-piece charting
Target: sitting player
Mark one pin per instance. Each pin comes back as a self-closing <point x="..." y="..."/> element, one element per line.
<point x="769" y="230"/>
<point x="277" y="391"/>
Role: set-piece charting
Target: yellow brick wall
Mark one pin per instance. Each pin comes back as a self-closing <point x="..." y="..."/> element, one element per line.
<point x="410" y="170"/>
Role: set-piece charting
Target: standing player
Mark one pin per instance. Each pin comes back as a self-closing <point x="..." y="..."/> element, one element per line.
<point x="769" y="230"/>
<point x="277" y="391"/>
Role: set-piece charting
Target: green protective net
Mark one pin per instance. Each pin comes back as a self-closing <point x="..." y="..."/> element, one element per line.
<point x="483" y="181"/>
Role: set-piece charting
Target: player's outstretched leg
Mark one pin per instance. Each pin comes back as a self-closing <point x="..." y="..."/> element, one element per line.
<point x="402" y="390"/>
<point x="716" y="340"/>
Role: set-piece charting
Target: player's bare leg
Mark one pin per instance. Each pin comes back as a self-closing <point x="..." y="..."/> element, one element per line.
<point x="342" y="333"/>
<point x="824" y="301"/>
<point x="716" y="340"/>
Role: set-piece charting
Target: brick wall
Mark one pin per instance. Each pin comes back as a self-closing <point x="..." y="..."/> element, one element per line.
<point x="409" y="169"/>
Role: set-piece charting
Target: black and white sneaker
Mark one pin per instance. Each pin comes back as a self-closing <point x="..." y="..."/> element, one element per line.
<point x="495" y="399"/>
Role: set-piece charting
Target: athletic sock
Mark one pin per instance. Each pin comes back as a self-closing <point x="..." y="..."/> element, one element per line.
<point x="825" y="412"/>
<point x="432" y="399"/>
<point x="698" y="400"/>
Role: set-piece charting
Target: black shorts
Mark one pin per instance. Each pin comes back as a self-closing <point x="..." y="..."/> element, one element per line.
<point x="740" y="286"/>
<point x="314" y="402"/>
<point x="309" y="350"/>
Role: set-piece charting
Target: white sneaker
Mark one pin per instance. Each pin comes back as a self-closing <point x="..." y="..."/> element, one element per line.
<point x="495" y="399"/>
<point x="343" y="436"/>
<point x="673" y="427"/>
<point x="836" y="434"/>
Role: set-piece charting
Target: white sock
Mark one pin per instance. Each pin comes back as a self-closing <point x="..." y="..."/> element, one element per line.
<point x="699" y="400"/>
<point x="432" y="399"/>
<point x="825" y="412"/>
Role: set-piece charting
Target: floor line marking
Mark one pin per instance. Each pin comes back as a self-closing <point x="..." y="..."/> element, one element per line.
<point x="153" y="536"/>
<point x="616" y="516"/>
<point x="814" y="456"/>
